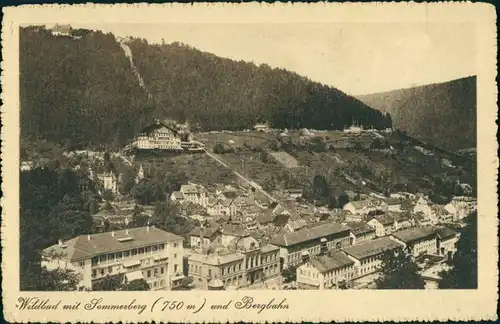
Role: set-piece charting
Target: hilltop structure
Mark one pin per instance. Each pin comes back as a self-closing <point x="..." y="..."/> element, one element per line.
<point x="162" y="137"/>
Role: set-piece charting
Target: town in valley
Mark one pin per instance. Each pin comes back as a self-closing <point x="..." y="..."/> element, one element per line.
<point x="165" y="202"/>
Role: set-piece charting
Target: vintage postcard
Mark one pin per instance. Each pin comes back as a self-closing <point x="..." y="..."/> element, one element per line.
<point x="253" y="162"/>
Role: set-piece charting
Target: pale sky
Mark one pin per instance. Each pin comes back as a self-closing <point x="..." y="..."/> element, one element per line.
<point x="357" y="58"/>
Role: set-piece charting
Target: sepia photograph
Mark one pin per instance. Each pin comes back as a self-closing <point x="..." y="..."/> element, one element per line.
<point x="224" y="156"/>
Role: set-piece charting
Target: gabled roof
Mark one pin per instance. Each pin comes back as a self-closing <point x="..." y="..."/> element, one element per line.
<point x="178" y="195"/>
<point x="308" y="234"/>
<point x="81" y="247"/>
<point x="331" y="261"/>
<point x="153" y="127"/>
<point x="368" y="203"/>
<point x="189" y="189"/>
<point x="208" y="232"/>
<point x="414" y="234"/>
<point x="372" y="247"/>
<point x="445" y="233"/>
<point x="384" y="219"/>
<point x="360" y="228"/>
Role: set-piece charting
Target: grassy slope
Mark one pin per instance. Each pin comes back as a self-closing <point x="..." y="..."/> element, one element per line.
<point x="442" y="114"/>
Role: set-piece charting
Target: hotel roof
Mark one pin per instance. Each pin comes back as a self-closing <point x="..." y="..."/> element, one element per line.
<point x="446" y="232"/>
<point x="331" y="261"/>
<point x="84" y="247"/>
<point x="372" y="247"/>
<point x="414" y="234"/>
<point x="308" y="234"/>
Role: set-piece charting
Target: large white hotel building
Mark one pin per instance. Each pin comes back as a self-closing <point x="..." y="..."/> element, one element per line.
<point x="138" y="253"/>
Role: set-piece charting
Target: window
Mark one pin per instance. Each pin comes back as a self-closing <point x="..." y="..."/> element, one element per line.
<point x="175" y="255"/>
<point x="126" y="254"/>
<point x="175" y="245"/>
<point x="155" y="248"/>
<point x="141" y="251"/>
<point x="162" y="246"/>
<point x="102" y="258"/>
<point x="156" y="271"/>
<point x="95" y="261"/>
<point x="162" y="270"/>
<point x="149" y="273"/>
<point x="210" y="273"/>
<point x="155" y="284"/>
<point x="94" y="273"/>
<point x="148" y="250"/>
<point x="102" y="272"/>
<point x="118" y="255"/>
<point x="175" y="268"/>
<point x="134" y="252"/>
<point x="110" y="269"/>
<point x="81" y="263"/>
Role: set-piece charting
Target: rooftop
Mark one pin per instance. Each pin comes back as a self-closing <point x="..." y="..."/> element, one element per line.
<point x="360" y="228"/>
<point x="84" y="247"/>
<point x="308" y="234"/>
<point x="207" y="231"/>
<point x="414" y="234"/>
<point x="372" y="247"/>
<point x="366" y="203"/>
<point x="331" y="261"/>
<point x="445" y="232"/>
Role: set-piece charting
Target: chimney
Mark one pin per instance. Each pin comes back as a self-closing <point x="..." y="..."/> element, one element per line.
<point x="60" y="242"/>
<point x="113" y="233"/>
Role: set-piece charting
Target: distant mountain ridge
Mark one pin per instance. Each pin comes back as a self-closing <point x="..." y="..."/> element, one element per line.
<point x="442" y="114"/>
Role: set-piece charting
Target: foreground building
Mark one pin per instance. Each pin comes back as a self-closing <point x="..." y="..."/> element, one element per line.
<point x="138" y="253"/>
<point x="328" y="271"/>
<point x="367" y="256"/>
<point x="310" y="241"/>
<point x="239" y="264"/>
<point x="418" y="240"/>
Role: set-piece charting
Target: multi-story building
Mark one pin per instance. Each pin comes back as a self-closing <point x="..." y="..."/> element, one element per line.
<point x="241" y="263"/>
<point x="363" y="207"/>
<point x="205" y="235"/>
<point x="447" y="241"/>
<point x="191" y="193"/>
<point x="367" y="256"/>
<point x="159" y="136"/>
<point x="220" y="207"/>
<point x="383" y="224"/>
<point x="362" y="232"/>
<point x="138" y="253"/>
<point x="417" y="240"/>
<point x="309" y="241"/>
<point x="461" y="206"/>
<point x="328" y="271"/>
<point x="108" y="181"/>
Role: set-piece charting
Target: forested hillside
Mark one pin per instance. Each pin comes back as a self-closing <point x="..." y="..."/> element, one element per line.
<point x="83" y="92"/>
<point x="442" y="114"/>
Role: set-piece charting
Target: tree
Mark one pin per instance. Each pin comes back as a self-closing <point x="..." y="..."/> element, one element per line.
<point x="219" y="149"/>
<point x="463" y="274"/>
<point x="343" y="199"/>
<point x="290" y="274"/>
<point x="107" y="195"/>
<point x="398" y="271"/>
<point x="320" y="187"/>
<point x="109" y="283"/>
<point x="57" y="280"/>
<point x="136" y="285"/>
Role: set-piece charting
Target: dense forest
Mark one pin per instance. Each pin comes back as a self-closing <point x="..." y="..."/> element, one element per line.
<point x="82" y="92"/>
<point x="442" y="114"/>
<point x="54" y="204"/>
